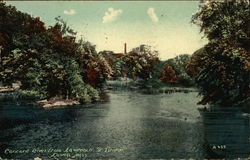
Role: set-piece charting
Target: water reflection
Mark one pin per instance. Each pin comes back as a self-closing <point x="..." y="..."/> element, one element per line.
<point x="227" y="132"/>
<point x="144" y="126"/>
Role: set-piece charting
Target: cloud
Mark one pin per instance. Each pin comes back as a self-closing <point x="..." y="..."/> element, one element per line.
<point x="152" y="15"/>
<point x="69" y="12"/>
<point x="111" y="15"/>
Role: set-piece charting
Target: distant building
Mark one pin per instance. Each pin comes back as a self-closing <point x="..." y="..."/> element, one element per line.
<point x="142" y="48"/>
<point x="118" y="55"/>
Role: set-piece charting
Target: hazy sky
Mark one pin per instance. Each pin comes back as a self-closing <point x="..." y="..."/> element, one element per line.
<point x="165" y="25"/>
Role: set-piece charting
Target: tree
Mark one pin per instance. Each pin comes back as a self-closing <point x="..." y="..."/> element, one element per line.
<point x="115" y="62"/>
<point x="222" y="67"/>
<point x="49" y="60"/>
<point x="175" y="71"/>
<point x="95" y="68"/>
<point x="140" y="62"/>
<point x="168" y="75"/>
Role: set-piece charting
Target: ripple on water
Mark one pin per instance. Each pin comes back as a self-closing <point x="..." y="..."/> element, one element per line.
<point x="145" y="126"/>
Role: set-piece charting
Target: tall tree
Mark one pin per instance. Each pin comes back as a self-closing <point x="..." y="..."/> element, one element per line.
<point x="222" y="67"/>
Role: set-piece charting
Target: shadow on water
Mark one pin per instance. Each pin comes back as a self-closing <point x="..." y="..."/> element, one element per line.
<point x="226" y="132"/>
<point x="142" y="125"/>
<point x="19" y="117"/>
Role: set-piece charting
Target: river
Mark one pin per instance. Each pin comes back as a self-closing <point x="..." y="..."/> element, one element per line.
<point x="130" y="125"/>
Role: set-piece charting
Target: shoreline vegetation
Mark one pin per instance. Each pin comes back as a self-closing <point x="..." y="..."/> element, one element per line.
<point x="150" y="88"/>
<point x="49" y="61"/>
<point x="57" y="101"/>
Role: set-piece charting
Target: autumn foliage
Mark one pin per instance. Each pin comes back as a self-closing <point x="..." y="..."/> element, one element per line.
<point x="48" y="60"/>
<point x="168" y="74"/>
<point x="175" y="71"/>
<point x="222" y="67"/>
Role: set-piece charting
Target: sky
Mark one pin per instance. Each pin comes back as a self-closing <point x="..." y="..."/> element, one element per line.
<point x="164" y="25"/>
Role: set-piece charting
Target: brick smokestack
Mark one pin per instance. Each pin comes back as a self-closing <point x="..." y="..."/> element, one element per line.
<point x="125" y="48"/>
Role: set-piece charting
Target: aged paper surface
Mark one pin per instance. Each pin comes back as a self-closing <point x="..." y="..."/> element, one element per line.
<point x="136" y="53"/>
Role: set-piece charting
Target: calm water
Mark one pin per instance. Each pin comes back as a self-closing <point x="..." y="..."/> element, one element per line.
<point x="131" y="125"/>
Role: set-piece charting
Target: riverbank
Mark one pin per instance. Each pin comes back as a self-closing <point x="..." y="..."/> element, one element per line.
<point x="6" y="89"/>
<point x="148" y="88"/>
<point x="13" y="94"/>
<point x="52" y="103"/>
<point x="12" y="88"/>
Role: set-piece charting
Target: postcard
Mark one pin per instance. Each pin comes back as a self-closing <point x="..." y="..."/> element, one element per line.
<point x="124" y="80"/>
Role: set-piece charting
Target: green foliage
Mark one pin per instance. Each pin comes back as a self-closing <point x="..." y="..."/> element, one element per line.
<point x="118" y="68"/>
<point x="115" y="62"/>
<point x="225" y="77"/>
<point x="140" y="62"/>
<point x="95" y="67"/>
<point x="225" y="20"/>
<point x="29" y="94"/>
<point x="21" y="95"/>
<point x="156" y="73"/>
<point x="222" y="67"/>
<point x="48" y="61"/>
<point x="143" y="63"/>
<point x="178" y="65"/>
<point x="65" y="29"/>
<point x="77" y="87"/>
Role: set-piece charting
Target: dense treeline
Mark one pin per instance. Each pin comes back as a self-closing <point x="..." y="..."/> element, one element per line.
<point x="49" y="61"/>
<point x="138" y="63"/>
<point x="222" y="67"/>
<point x="143" y="64"/>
